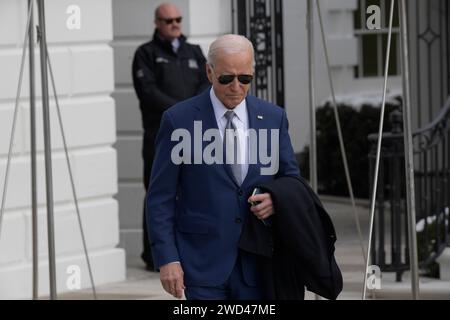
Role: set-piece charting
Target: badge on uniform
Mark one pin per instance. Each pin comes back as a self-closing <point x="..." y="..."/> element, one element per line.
<point x="193" y="64"/>
<point x="161" y="60"/>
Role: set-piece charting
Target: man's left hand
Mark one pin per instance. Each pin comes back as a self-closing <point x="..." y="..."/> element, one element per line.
<point x="265" y="208"/>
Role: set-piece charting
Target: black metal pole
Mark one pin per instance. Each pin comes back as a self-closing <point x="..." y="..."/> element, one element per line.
<point x="33" y="155"/>
<point x="409" y="158"/>
<point x="378" y="151"/>
<point x="48" y="151"/>
<point x="312" y="97"/>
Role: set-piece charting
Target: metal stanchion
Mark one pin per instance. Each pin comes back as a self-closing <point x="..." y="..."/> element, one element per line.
<point x="409" y="161"/>
<point x="312" y="100"/>
<point x="44" y="64"/>
<point x="34" y="212"/>
<point x="339" y="131"/>
<point x="72" y="181"/>
<point x="312" y="97"/>
<point x="14" y="123"/>
<point x="47" y="151"/>
<point x="380" y="140"/>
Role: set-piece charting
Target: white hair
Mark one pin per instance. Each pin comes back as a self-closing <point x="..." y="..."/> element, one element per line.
<point x="230" y="44"/>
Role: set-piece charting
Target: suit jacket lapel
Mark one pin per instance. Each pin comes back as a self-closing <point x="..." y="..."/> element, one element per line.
<point x="205" y="113"/>
<point x="255" y="122"/>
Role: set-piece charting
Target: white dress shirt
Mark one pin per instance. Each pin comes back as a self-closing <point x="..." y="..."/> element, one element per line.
<point x="241" y="123"/>
<point x="175" y="45"/>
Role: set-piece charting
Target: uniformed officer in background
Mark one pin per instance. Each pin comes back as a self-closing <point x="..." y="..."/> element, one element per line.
<point x="166" y="70"/>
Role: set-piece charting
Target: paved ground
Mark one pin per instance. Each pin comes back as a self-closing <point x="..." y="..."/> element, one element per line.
<point x="141" y="284"/>
<point x="351" y="262"/>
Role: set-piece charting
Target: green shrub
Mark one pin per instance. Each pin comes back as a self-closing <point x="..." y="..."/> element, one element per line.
<point x="356" y="126"/>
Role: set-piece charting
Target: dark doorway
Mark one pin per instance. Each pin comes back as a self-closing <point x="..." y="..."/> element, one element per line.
<point x="261" y="21"/>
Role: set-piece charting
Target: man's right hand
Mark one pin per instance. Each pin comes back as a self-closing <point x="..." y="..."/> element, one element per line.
<point x="171" y="276"/>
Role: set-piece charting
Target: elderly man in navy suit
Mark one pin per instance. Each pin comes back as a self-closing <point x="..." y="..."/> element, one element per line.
<point x="211" y="151"/>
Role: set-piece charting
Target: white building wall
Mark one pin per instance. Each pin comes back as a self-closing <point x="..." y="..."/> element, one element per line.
<point x="203" y="21"/>
<point x="84" y="73"/>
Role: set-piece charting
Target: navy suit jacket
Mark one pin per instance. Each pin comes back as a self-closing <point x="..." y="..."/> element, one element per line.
<point x="195" y="212"/>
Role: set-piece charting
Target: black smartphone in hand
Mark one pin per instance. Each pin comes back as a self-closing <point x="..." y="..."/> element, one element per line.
<point x="255" y="192"/>
<point x="255" y="203"/>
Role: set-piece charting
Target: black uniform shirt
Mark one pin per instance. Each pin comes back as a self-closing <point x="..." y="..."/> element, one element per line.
<point x="162" y="77"/>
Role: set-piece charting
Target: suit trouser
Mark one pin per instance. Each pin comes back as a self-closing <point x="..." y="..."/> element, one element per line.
<point x="235" y="288"/>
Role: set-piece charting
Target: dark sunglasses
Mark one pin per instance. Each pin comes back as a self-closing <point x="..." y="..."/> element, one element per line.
<point x="171" y="20"/>
<point x="228" y="78"/>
